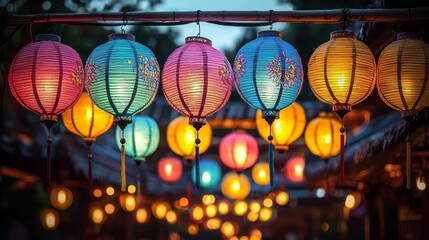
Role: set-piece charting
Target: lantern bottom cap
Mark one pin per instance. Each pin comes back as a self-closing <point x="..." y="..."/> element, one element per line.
<point x="89" y="139"/>
<point x="201" y="120"/>
<point x="48" y="118"/>
<point x="123" y="121"/>
<point x="409" y="113"/>
<point x="342" y="109"/>
<point x="282" y="147"/>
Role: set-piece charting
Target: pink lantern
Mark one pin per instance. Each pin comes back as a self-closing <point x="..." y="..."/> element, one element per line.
<point x="197" y="82"/>
<point x="170" y="169"/>
<point x="294" y="169"/>
<point x="238" y="150"/>
<point x="46" y="77"/>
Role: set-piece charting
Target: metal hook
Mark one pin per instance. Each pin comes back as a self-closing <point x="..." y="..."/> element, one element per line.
<point x="198" y="22"/>
<point x="270" y="20"/>
<point x="344" y="19"/>
<point x="124" y="22"/>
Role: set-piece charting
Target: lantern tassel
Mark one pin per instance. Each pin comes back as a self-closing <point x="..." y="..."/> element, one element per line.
<point x="408" y="163"/>
<point x="48" y="125"/>
<point x="89" y="167"/>
<point x="197" y="127"/>
<point x="271" y="151"/>
<point x="342" y="142"/>
<point x="123" y="174"/>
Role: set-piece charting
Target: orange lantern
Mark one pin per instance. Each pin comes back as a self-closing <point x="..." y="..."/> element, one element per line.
<point x="294" y="169"/>
<point x="238" y="150"/>
<point x="235" y="186"/>
<point x="261" y="173"/>
<point x="49" y="219"/>
<point x="170" y="169"/>
<point x="286" y="129"/>
<point x="181" y="137"/>
<point x="342" y="72"/>
<point x="61" y="197"/>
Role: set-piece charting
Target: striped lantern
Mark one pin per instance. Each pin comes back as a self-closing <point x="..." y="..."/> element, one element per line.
<point x="238" y="150"/>
<point x="46" y="77"/>
<point x="122" y="78"/>
<point x="88" y="121"/>
<point x="402" y="80"/>
<point x="268" y="76"/>
<point x="342" y="72"/>
<point x="196" y="81"/>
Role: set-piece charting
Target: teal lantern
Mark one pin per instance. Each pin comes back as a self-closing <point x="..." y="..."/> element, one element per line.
<point x="210" y="173"/>
<point x="268" y="76"/>
<point x="122" y="78"/>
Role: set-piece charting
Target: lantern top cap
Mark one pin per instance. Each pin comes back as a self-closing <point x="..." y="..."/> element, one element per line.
<point x="408" y="35"/>
<point x="342" y="34"/>
<point x="269" y="33"/>
<point x="124" y="36"/>
<point x="198" y="39"/>
<point x="47" y="37"/>
<point x="327" y="114"/>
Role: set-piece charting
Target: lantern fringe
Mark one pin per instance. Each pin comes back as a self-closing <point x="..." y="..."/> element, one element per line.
<point x="341" y="113"/>
<point x="408" y="163"/>
<point x="197" y="126"/>
<point x="123" y="173"/>
<point x="89" y="166"/>
<point x="270" y="120"/>
<point x="48" y="125"/>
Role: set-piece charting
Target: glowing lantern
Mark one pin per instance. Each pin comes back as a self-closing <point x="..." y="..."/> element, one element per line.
<point x="238" y="150"/>
<point x="342" y="72"/>
<point x="160" y="209"/>
<point x="97" y="215"/>
<point x="235" y="186"/>
<point x="210" y="173"/>
<point x="46" y="77"/>
<point x="228" y="229"/>
<point x="181" y="137"/>
<point x="240" y="207"/>
<point x="213" y="223"/>
<point x="353" y="200"/>
<point x="170" y="169"/>
<point x="223" y="207"/>
<point x="294" y="169"/>
<point x="88" y="121"/>
<point x="261" y="173"/>
<point x="268" y="76"/>
<point x="197" y="81"/>
<point x="211" y="210"/>
<point x="197" y="213"/>
<point x="402" y="80"/>
<point x="50" y="219"/>
<point x="282" y="198"/>
<point x="265" y="214"/>
<point x="122" y="78"/>
<point x="61" y="197"/>
<point x="320" y="138"/>
<point x="127" y="202"/>
<point x="141" y="215"/>
<point x="193" y="229"/>
<point x="286" y="129"/>
<point x="171" y="217"/>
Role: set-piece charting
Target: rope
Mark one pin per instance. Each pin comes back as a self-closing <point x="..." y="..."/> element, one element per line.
<point x="123" y="174"/>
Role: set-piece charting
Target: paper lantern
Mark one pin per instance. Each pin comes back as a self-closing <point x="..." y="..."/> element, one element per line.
<point x="170" y="169"/>
<point x="46" y="77"/>
<point x="160" y="209"/>
<point x="61" y="198"/>
<point x="235" y="186"/>
<point x="402" y="80"/>
<point x="50" y="219"/>
<point x="268" y="76"/>
<point x="238" y="150"/>
<point x="320" y="136"/>
<point x="210" y="173"/>
<point x="342" y="72"/>
<point x="127" y="201"/>
<point x="122" y="78"/>
<point x="286" y="129"/>
<point x="196" y="81"/>
<point x="88" y="121"/>
<point x="181" y="137"/>
<point x="294" y="169"/>
<point x="261" y="173"/>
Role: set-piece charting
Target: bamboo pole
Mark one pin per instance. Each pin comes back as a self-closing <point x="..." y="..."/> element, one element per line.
<point x="293" y="16"/>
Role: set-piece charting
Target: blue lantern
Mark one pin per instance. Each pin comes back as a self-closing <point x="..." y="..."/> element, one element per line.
<point x="268" y="76"/>
<point x="210" y="173"/>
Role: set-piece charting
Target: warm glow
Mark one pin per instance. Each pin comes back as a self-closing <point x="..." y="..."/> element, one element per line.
<point x="131" y="189"/>
<point x="238" y="150"/>
<point x="244" y="238"/>
<point x="173" y="236"/>
<point x="261" y="173"/>
<point x="49" y="219"/>
<point x="252" y="216"/>
<point x="254" y="207"/>
<point x="420" y="183"/>
<point x="240" y="153"/>
<point x="235" y="186"/>
<point x="350" y="201"/>
<point x="183" y="202"/>
<point x="206" y="177"/>
<point x="61" y="197"/>
<point x="282" y="198"/>
<point x="227" y="229"/>
<point x="97" y="215"/>
<point x="324" y="226"/>
<point x="127" y="202"/>
<point x="213" y="223"/>
<point x="267" y="202"/>
<point x="97" y="193"/>
<point x="141" y="215"/>
<point x="109" y="208"/>
<point x="256" y="233"/>
<point x="160" y="211"/>
<point x="170" y="169"/>
<point x="211" y="211"/>
<point x="265" y="214"/>
<point x="197" y="213"/>
<point x="110" y="191"/>
<point x="193" y="229"/>
<point x="240" y="207"/>
<point x="223" y="207"/>
<point x="327" y="139"/>
<point x="171" y="217"/>
<point x="208" y="199"/>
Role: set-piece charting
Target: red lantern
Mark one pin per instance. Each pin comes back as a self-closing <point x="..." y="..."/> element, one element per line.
<point x="197" y="81"/>
<point x="170" y="169"/>
<point x="238" y="150"/>
<point x="46" y="77"/>
<point x="294" y="168"/>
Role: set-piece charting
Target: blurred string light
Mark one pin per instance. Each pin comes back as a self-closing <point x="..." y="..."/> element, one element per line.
<point x="50" y="219"/>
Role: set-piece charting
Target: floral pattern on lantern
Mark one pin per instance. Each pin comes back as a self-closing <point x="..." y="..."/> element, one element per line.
<point x="238" y="150"/>
<point x="235" y="186"/>
<point x="170" y="169"/>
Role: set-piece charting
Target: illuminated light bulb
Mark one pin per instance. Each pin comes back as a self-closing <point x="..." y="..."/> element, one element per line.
<point x="61" y="197"/>
<point x="110" y="191"/>
<point x="97" y="193"/>
<point x="97" y="215"/>
<point x="208" y="199"/>
<point x="183" y="202"/>
<point x="254" y="207"/>
<point x="213" y="223"/>
<point x="49" y="219"/>
<point x="131" y="189"/>
<point x="267" y="202"/>
<point x="252" y="216"/>
<point x="320" y="192"/>
<point x="228" y="229"/>
<point x="350" y="201"/>
<point x="206" y="177"/>
<point x="282" y="198"/>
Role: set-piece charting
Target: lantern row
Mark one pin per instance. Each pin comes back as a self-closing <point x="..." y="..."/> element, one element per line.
<point x="122" y="79"/>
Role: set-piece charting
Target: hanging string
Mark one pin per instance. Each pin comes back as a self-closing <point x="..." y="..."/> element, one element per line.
<point x="198" y="22"/>
<point x="270" y="21"/>
<point x="48" y="154"/>
<point x="123" y="175"/>
<point x="270" y="155"/>
<point x="342" y="139"/>
<point x="197" y="127"/>
<point x="138" y="194"/>
<point x="89" y="167"/>
<point x="408" y="154"/>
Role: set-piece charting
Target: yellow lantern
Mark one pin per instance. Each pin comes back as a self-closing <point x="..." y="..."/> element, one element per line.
<point x="49" y="219"/>
<point x="261" y="173"/>
<point x="353" y="200"/>
<point x="282" y="198"/>
<point x="181" y="137"/>
<point x="235" y="186"/>
<point x="88" y="121"/>
<point x="402" y="81"/>
<point x="286" y="129"/>
<point x="240" y="207"/>
<point x="97" y="215"/>
<point x="171" y="217"/>
<point x="223" y="207"/>
<point x="141" y="215"/>
<point x="228" y="229"/>
<point x="197" y="213"/>
<point x="265" y="214"/>
<point x="61" y="197"/>
<point x="320" y="138"/>
<point x="127" y="202"/>
<point x="160" y="209"/>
